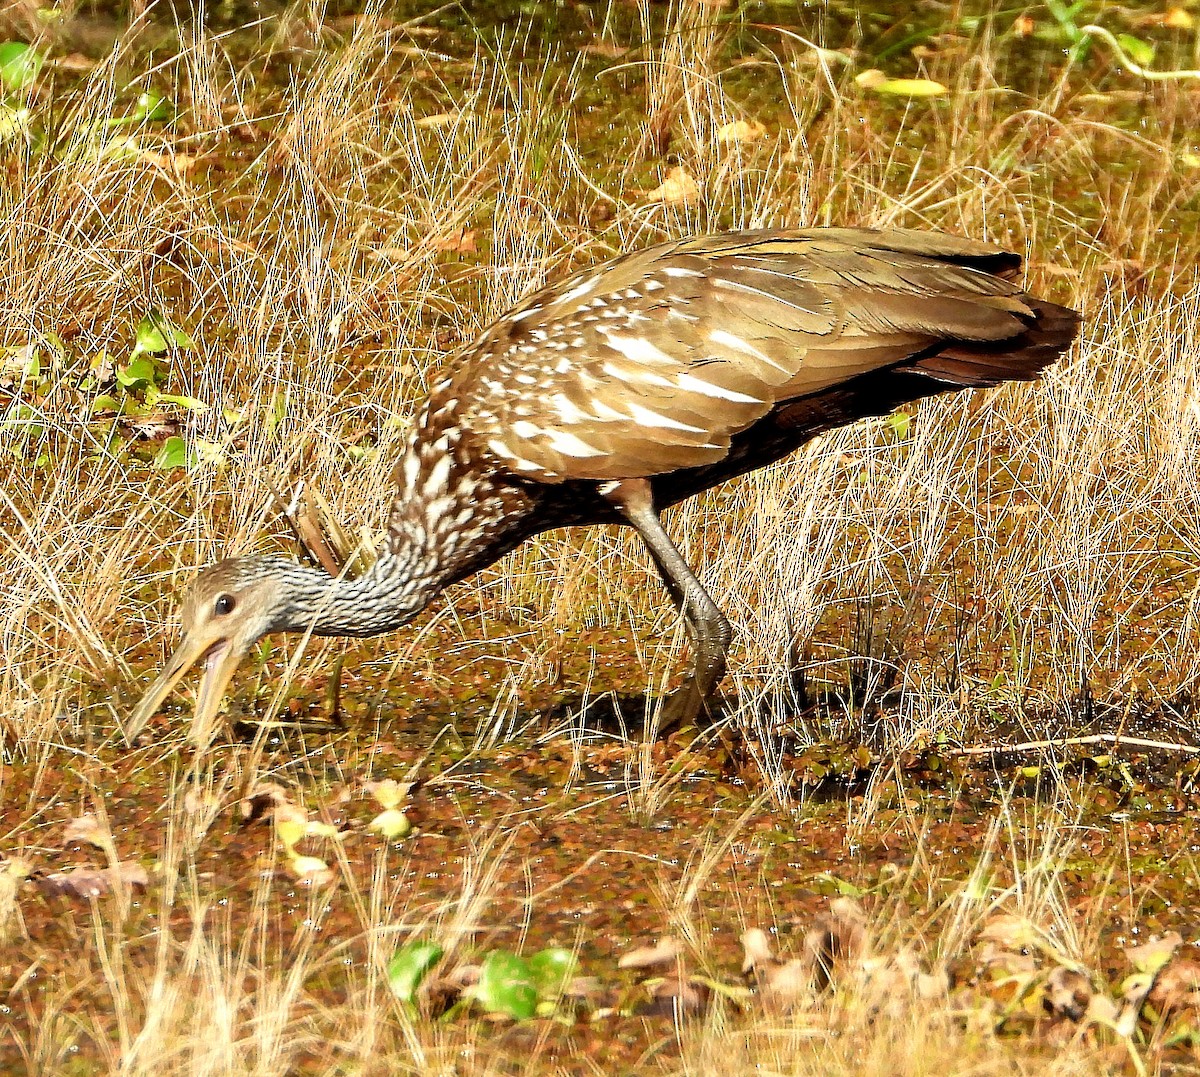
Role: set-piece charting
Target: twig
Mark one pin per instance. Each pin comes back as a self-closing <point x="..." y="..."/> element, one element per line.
<point x="308" y="533"/>
<point x="1093" y="738"/>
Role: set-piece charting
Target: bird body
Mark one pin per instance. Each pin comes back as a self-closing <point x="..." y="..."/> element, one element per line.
<point x="629" y="387"/>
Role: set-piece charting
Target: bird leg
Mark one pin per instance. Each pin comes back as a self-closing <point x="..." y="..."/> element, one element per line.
<point x="708" y="630"/>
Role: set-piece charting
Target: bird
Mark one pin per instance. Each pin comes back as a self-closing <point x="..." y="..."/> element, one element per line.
<point x="624" y="389"/>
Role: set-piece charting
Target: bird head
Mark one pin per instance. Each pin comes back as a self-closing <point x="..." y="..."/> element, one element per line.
<point x="228" y="607"/>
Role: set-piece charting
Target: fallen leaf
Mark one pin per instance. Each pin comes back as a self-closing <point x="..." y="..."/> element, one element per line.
<point x="460" y="242"/>
<point x="585" y="987"/>
<point x="179" y="163"/>
<point x="463" y="976"/>
<point x="740" y="131"/>
<point x="1153" y="955"/>
<point x="310" y="870"/>
<point x="1130" y="268"/>
<point x="679" y="186"/>
<point x="1174" y="18"/>
<point x="787" y="985"/>
<point x="838" y="936"/>
<point x="440" y="119"/>
<point x="13" y="873"/>
<point x="93" y="882"/>
<point x="891" y="982"/>
<point x="291" y="823"/>
<point x="389" y="254"/>
<point x="151" y="427"/>
<point x="389" y="793"/>
<point x="665" y="951"/>
<point x="757" y="948"/>
<point x="19" y="362"/>
<point x="1178" y="18"/>
<point x="86" y="830"/>
<point x="74" y="61"/>
<point x="997" y="958"/>
<point x="262" y="800"/>
<point x="1102" y="1010"/>
<point x="673" y="996"/>
<point x="1011" y="932"/>
<point x="1023" y="26"/>
<point x="606" y="49"/>
<point x="932" y="985"/>
<point x="1176" y="987"/>
<point x="1067" y="993"/>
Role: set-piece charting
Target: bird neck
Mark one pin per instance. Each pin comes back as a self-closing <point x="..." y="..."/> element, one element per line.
<point x="453" y="515"/>
<point x="389" y="594"/>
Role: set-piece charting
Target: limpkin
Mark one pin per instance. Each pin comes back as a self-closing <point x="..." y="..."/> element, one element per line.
<point x="625" y="389"/>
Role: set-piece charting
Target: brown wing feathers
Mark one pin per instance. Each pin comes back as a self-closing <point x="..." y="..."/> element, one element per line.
<point x="1047" y="334"/>
<point x="657" y="360"/>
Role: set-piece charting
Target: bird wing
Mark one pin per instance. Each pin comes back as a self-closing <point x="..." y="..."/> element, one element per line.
<point x="653" y="361"/>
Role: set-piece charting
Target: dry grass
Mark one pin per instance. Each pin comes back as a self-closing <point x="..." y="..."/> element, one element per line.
<point x="1016" y="547"/>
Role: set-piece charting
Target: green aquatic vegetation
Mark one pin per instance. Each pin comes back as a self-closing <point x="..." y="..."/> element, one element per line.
<point x="506" y="986"/>
<point x="504" y="983"/>
<point x="409" y="966"/>
<point x="20" y="66"/>
<point x="156" y="334"/>
<point x="129" y="396"/>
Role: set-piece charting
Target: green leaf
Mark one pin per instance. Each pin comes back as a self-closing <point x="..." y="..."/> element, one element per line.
<point x="506" y="986"/>
<point x="155" y="334"/>
<point x="1064" y="15"/>
<point x="25" y="360"/>
<point x="409" y="966"/>
<point x="739" y="994"/>
<point x="138" y="374"/>
<point x="900" y="424"/>
<point x="391" y="823"/>
<point x="208" y="452"/>
<point x="175" y="454"/>
<point x="551" y="971"/>
<point x="123" y="148"/>
<point x="172" y="455"/>
<point x="878" y="82"/>
<point x="149" y="107"/>
<point x="152" y="106"/>
<point x="14" y="123"/>
<point x="842" y="886"/>
<point x="19" y="65"/>
<point x="979" y="886"/>
<point x="56" y="345"/>
<point x="278" y="409"/>
<point x="189" y="402"/>
<point x="1139" y="51"/>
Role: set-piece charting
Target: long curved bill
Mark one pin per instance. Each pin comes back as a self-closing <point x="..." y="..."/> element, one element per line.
<point x="220" y="659"/>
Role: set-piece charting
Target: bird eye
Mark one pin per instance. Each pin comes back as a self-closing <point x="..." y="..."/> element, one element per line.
<point x="224" y="604"/>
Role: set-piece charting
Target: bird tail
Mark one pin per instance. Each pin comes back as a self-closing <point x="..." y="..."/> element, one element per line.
<point x="980" y="364"/>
